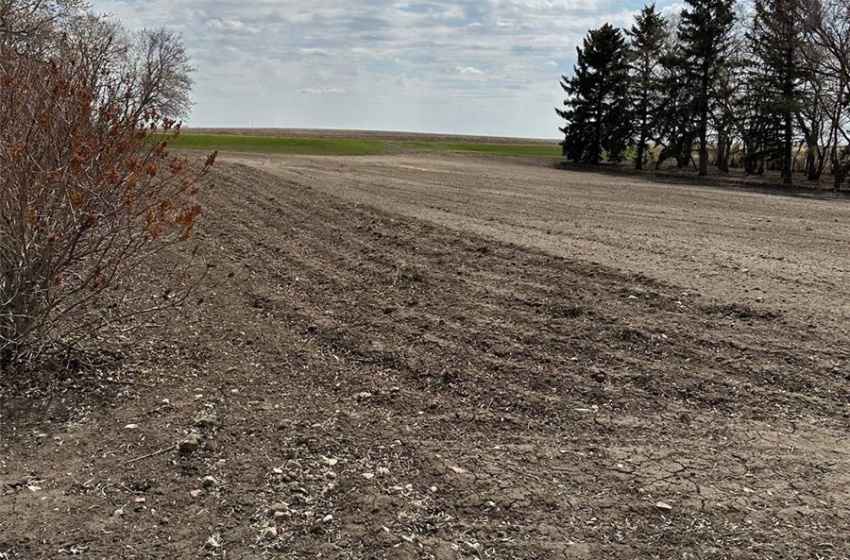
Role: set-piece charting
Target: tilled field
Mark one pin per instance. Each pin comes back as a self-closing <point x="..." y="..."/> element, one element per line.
<point x="433" y="356"/>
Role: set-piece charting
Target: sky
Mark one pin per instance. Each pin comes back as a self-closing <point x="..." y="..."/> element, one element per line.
<point x="481" y="67"/>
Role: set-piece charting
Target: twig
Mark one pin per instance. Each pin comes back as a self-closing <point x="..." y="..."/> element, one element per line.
<point x="149" y="455"/>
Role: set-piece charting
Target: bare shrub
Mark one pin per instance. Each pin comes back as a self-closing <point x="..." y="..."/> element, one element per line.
<point x="88" y="193"/>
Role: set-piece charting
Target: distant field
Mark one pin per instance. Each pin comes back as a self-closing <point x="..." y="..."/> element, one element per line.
<point x="273" y="145"/>
<point x="323" y="144"/>
<point x="501" y="149"/>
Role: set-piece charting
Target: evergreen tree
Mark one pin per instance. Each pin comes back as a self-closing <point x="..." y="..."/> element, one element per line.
<point x="646" y="48"/>
<point x="703" y="33"/>
<point x="597" y="104"/>
<point x="775" y="40"/>
<point x="674" y="118"/>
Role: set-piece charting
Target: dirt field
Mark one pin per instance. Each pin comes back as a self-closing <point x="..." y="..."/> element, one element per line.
<point x="446" y="356"/>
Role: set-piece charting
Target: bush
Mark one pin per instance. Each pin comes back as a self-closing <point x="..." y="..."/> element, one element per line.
<point x="88" y="193"/>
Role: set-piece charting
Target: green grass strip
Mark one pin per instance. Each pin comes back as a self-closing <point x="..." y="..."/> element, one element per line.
<point x="351" y="146"/>
<point x="500" y="149"/>
<point x="273" y="145"/>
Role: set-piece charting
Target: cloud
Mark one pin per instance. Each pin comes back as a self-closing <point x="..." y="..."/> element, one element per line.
<point x="433" y="65"/>
<point x="469" y="71"/>
<point x="320" y="90"/>
<point x="231" y="26"/>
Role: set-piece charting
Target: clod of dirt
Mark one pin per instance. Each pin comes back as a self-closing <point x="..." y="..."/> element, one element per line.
<point x="278" y="508"/>
<point x="363" y="396"/>
<point x="472" y="547"/>
<point x="118" y="512"/>
<point x="206" y="420"/>
<point x="213" y="542"/>
<point x="190" y="444"/>
<point x="269" y="534"/>
<point x="209" y="481"/>
<point x="664" y="506"/>
<point x="196" y="493"/>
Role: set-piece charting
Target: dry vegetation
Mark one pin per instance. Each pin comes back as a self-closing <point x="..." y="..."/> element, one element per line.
<point x="446" y="356"/>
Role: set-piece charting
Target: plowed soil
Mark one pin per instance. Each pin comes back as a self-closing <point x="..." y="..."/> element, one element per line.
<point x="447" y="356"/>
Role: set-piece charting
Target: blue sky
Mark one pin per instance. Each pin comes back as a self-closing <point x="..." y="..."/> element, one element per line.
<point x="467" y="67"/>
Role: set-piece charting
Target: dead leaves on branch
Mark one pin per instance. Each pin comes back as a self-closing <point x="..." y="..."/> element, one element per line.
<point x="88" y="193"/>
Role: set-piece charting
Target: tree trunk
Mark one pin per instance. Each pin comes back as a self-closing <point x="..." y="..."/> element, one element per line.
<point x="722" y="150"/>
<point x="641" y="147"/>
<point x="787" y="117"/>
<point x="703" y="120"/>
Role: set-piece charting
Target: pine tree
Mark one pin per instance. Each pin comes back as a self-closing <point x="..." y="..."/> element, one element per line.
<point x="703" y="33"/>
<point x="648" y="35"/>
<point x="673" y="121"/>
<point x="597" y="106"/>
<point x="775" y="41"/>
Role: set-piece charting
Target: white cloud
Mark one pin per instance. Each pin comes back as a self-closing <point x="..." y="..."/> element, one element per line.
<point x="320" y="90"/>
<point x="231" y="26"/>
<point x="469" y="71"/>
<point x="433" y="65"/>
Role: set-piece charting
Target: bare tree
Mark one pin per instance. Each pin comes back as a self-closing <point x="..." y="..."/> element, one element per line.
<point x="162" y="73"/>
<point x="28" y="23"/>
<point x="828" y="37"/>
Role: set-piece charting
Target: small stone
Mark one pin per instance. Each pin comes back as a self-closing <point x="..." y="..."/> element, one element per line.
<point x="432" y="489"/>
<point x="190" y="444"/>
<point x="196" y="493"/>
<point x="329" y="461"/>
<point x="472" y="547"/>
<point x="213" y="542"/>
<point x="664" y="506"/>
<point x="383" y="471"/>
<point x="489" y="504"/>
<point x="458" y="470"/>
<point x="34" y="488"/>
<point x="269" y="533"/>
<point x="209" y="481"/>
<point x="328" y="518"/>
<point x="118" y="512"/>
<point x="278" y="507"/>
<point x="140" y="500"/>
<point x="131" y="427"/>
<point x="368" y="475"/>
<point x="363" y="396"/>
<point x="279" y="514"/>
<point x="277" y="470"/>
<point x="206" y="420"/>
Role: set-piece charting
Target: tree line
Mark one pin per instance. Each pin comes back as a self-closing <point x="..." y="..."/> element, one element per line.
<point x="761" y="86"/>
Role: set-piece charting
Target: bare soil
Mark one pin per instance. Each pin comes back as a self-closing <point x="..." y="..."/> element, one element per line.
<point x="447" y="356"/>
